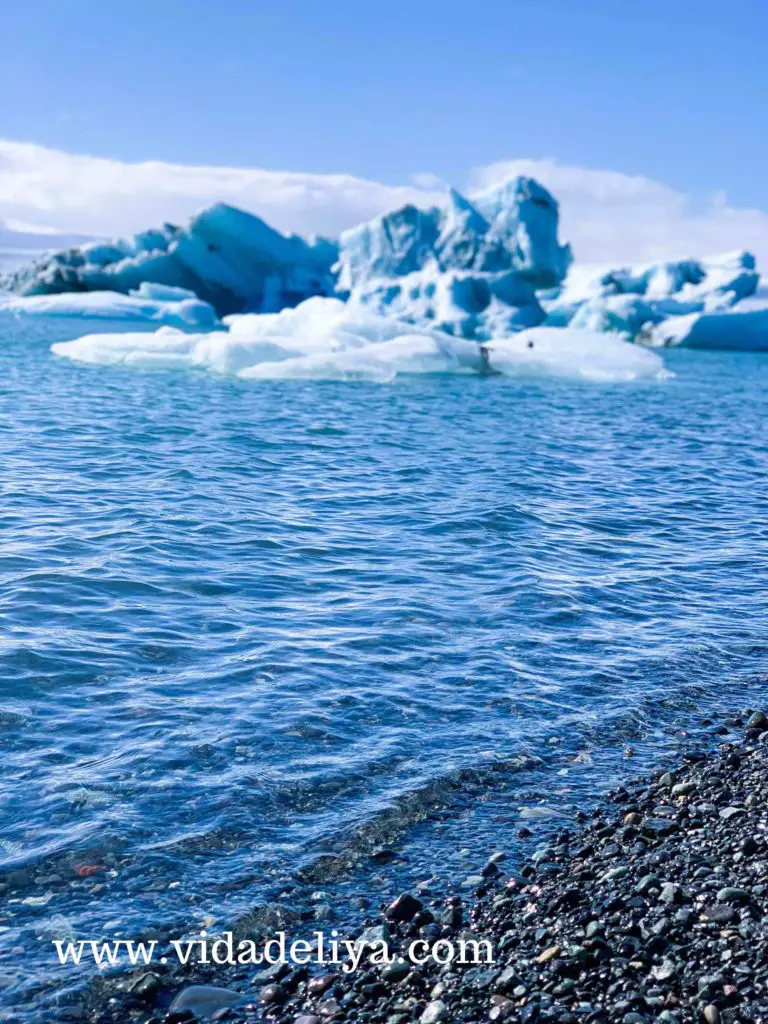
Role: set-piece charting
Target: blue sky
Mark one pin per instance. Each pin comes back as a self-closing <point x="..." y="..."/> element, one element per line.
<point x="676" y="91"/>
<point x="646" y="120"/>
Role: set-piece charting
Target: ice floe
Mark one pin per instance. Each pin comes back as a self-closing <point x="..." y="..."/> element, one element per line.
<point x="633" y="300"/>
<point x="148" y="304"/>
<point x="740" y="330"/>
<point x="326" y="339"/>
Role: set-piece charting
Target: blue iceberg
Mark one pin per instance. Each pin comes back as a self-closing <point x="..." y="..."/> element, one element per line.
<point x="149" y="303"/>
<point x="228" y="258"/>
<point x="470" y="268"/>
<point x="632" y="301"/>
<point x="479" y="269"/>
<point x="743" y="328"/>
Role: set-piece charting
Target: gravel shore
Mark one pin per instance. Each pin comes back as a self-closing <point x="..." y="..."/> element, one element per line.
<point x="654" y="909"/>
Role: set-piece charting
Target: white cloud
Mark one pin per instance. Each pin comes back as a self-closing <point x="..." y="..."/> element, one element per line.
<point x="614" y="218"/>
<point x="607" y="216"/>
<point x="69" y="192"/>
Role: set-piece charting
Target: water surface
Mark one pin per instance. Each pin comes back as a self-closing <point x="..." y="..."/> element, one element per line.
<point x="241" y="621"/>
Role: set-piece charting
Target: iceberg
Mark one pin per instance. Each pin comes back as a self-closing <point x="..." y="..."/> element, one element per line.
<point x="478" y="269"/>
<point x="570" y="352"/>
<point x="470" y="268"/>
<point x="525" y="216"/>
<point x="633" y="300"/>
<point x="228" y="258"/>
<point x="157" y="304"/>
<point x="741" y="330"/>
<point x="327" y="339"/>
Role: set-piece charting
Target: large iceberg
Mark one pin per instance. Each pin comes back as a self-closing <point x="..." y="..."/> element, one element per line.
<point x="228" y="258"/>
<point x="329" y="340"/>
<point x="470" y="268"/>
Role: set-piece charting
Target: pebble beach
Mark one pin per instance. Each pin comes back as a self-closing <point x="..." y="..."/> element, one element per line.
<point x="651" y="909"/>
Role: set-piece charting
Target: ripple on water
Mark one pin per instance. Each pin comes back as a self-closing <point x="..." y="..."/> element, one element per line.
<point x="246" y="625"/>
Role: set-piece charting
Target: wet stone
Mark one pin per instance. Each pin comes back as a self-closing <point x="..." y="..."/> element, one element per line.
<point x="319" y="984"/>
<point x="271" y="994"/>
<point x="404" y="908"/>
<point x="729" y="813"/>
<point x="671" y="893"/>
<point x="376" y="934"/>
<point x="659" y="827"/>
<point x="396" y="971"/>
<point x="434" y="1012"/>
<point x="720" y="913"/>
<point x="730" y="894"/>
<point x="204" y="1000"/>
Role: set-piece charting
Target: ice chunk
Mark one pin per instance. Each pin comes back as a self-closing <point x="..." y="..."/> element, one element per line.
<point x="229" y="258"/>
<point x="742" y="331"/>
<point x="622" y="314"/>
<point x="456" y="268"/>
<point x="162" y="292"/>
<point x="629" y="300"/>
<point x="141" y="306"/>
<point x="568" y="352"/>
<point x="524" y="217"/>
<point x="731" y="273"/>
<point x="727" y="279"/>
<point x="326" y="339"/>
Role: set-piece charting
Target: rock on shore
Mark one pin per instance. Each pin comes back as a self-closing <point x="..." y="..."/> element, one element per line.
<point x="653" y="910"/>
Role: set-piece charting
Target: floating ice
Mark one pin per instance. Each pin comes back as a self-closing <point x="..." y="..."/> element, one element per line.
<point x="740" y="328"/>
<point x="630" y="300"/>
<point x="326" y="339"/>
<point x="477" y="269"/>
<point x="570" y="352"/>
<point x="229" y="258"/>
<point x="469" y="268"/>
<point x="736" y="329"/>
<point x="149" y="303"/>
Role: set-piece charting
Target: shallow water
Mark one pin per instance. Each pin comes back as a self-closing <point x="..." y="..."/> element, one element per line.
<point x="240" y="621"/>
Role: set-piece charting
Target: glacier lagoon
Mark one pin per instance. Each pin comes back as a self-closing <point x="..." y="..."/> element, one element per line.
<point x="423" y="544"/>
<point x="249" y="630"/>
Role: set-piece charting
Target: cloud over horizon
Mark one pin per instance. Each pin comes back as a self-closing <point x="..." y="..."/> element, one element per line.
<point x="614" y="217"/>
<point x="607" y="216"/>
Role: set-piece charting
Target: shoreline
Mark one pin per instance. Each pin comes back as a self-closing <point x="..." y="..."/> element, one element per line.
<point x="654" y="909"/>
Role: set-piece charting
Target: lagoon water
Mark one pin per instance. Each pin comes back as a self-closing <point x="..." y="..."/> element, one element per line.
<point x="248" y="625"/>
